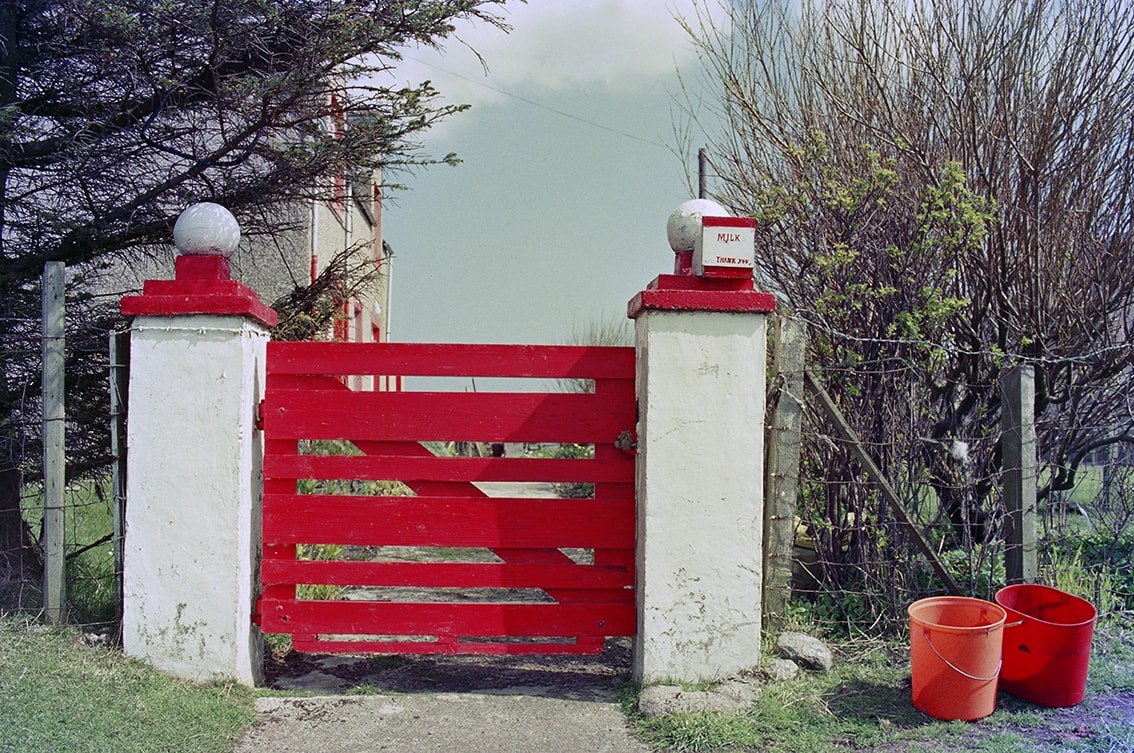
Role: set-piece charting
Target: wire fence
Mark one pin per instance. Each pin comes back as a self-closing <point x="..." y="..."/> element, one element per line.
<point x="92" y="573"/>
<point x="89" y="563"/>
<point x="856" y="565"/>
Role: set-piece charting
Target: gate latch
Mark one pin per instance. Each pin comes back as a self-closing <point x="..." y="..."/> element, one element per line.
<point x="626" y="442"/>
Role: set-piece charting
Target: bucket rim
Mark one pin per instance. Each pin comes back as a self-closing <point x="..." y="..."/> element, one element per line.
<point x="1043" y="587"/>
<point x="957" y="601"/>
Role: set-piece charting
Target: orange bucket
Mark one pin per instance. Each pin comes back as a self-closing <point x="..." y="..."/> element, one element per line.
<point x="1047" y="644"/>
<point x="955" y="652"/>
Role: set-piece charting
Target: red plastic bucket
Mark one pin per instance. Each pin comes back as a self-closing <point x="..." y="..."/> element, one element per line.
<point x="1047" y="644"/>
<point x="955" y="645"/>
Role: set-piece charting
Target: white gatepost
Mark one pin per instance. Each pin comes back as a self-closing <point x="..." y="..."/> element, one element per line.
<point x="701" y="352"/>
<point x="193" y="491"/>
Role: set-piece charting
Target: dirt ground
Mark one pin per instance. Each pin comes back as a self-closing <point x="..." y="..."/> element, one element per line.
<point x="445" y="704"/>
<point x="1102" y="722"/>
<point x="590" y="678"/>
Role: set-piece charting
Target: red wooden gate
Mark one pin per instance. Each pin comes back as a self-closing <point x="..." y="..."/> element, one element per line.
<point x="349" y="566"/>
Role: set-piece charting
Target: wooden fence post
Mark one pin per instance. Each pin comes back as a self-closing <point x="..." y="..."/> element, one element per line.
<point x="1018" y="444"/>
<point x="119" y="384"/>
<point x="54" y="463"/>
<point x="782" y="469"/>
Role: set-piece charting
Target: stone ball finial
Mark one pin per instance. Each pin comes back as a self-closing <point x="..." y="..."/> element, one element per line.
<point x="206" y="229"/>
<point x="684" y="224"/>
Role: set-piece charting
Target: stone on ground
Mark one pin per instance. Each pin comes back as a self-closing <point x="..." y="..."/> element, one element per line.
<point x="733" y="695"/>
<point x="781" y="670"/>
<point x="810" y="653"/>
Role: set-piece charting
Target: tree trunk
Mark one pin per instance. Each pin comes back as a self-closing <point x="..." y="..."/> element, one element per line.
<point x="21" y="570"/>
<point x="12" y="536"/>
<point x="19" y="561"/>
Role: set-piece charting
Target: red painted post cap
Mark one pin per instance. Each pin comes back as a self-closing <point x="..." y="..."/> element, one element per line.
<point x="691" y="293"/>
<point x="202" y="285"/>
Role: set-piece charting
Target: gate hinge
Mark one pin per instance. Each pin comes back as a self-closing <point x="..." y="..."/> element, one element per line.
<point x="626" y="442"/>
<point x="258" y="421"/>
<point x="256" y="620"/>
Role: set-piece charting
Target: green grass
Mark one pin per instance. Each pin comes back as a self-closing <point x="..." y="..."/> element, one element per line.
<point x="1112" y="660"/>
<point x="864" y="704"/>
<point x="1088" y="481"/>
<point x="90" y="576"/>
<point x="59" y="695"/>
<point x="865" y="701"/>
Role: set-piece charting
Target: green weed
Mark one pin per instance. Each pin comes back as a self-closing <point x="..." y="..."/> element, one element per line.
<point x="1069" y="572"/>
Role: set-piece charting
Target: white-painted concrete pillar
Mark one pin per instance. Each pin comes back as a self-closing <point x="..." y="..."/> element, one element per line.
<point x="193" y="491"/>
<point x="701" y="347"/>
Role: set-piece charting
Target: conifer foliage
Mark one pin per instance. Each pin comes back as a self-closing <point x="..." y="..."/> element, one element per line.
<point x="115" y="114"/>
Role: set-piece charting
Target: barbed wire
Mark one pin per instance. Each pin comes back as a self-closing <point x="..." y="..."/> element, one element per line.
<point x="815" y="321"/>
<point x="854" y="568"/>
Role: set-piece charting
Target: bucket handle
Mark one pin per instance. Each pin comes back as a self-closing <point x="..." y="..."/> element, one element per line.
<point x="959" y="670"/>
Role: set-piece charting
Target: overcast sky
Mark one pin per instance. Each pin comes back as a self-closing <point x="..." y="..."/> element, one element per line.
<point x="556" y="217"/>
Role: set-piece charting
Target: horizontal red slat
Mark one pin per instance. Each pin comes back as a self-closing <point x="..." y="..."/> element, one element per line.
<point x="448" y="521"/>
<point x="617" y="469"/>
<point x="416" y="416"/>
<point x="445" y="574"/>
<point x="443" y="359"/>
<point x="585" y="646"/>
<point x="390" y="618"/>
